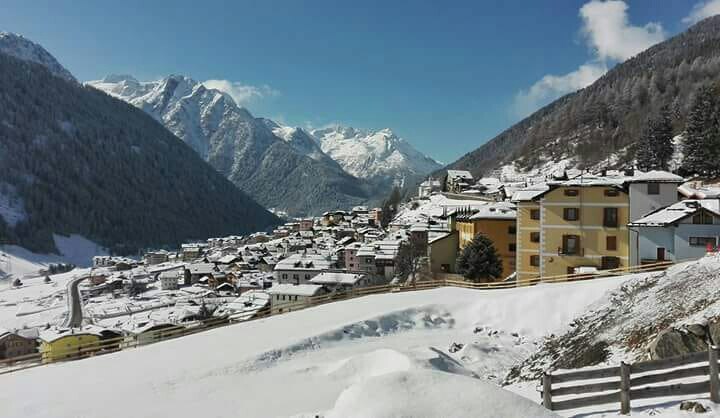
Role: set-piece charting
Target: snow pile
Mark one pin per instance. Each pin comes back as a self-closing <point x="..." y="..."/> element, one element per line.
<point x="322" y="360"/>
<point x="428" y="394"/>
<point x="622" y="323"/>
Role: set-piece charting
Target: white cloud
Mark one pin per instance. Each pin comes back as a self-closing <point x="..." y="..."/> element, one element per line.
<point x="610" y="37"/>
<point x="610" y="34"/>
<point x="552" y="86"/>
<point x="241" y="93"/>
<point x="702" y="10"/>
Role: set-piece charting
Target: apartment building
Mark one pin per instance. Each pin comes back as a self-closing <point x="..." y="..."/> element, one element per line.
<point x="581" y="224"/>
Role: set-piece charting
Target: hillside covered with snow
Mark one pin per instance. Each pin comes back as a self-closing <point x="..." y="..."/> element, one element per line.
<point x="439" y="353"/>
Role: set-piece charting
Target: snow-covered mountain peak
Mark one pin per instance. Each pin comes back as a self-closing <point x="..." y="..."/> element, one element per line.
<point x="374" y="154"/>
<point x="22" y="48"/>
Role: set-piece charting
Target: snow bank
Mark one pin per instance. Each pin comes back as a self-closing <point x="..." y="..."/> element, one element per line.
<point x="301" y="362"/>
<point x="621" y="324"/>
<point x="431" y="394"/>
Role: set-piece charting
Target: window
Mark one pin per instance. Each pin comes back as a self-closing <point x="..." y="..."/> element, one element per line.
<point x="611" y="192"/>
<point x="703" y="218"/>
<point x="571" y="214"/>
<point x="610" y="217"/>
<point x="512" y="230"/>
<point x="284" y="276"/>
<point x="535" y="214"/>
<point x="535" y="260"/>
<point x="571" y="192"/>
<point x="609" y="263"/>
<point x="571" y="244"/>
<point x="701" y="241"/>
<point x="534" y="237"/>
<point x="512" y="247"/>
<point x="611" y="243"/>
<point x="653" y="188"/>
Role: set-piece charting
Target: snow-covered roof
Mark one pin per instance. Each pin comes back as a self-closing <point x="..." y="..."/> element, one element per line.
<point x="530" y="193"/>
<point x="496" y="210"/>
<point x="677" y="211"/>
<point x="53" y="334"/>
<point x="295" y="289"/>
<point x="331" y="277"/>
<point x="459" y="174"/>
<point x="655" y="176"/>
<point x="304" y="262"/>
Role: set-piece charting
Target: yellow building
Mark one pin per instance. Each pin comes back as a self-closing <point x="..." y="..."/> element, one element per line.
<point x="67" y="343"/>
<point x="443" y="251"/>
<point x="527" y="263"/>
<point x="495" y="220"/>
<point x="575" y="226"/>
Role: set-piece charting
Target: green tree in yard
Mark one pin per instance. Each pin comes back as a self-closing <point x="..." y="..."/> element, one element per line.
<point x="479" y="260"/>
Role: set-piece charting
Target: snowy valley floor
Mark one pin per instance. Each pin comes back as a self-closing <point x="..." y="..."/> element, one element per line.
<point x="378" y="356"/>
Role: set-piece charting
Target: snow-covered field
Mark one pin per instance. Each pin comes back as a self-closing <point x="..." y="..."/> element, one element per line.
<point x="73" y="249"/>
<point x="384" y="355"/>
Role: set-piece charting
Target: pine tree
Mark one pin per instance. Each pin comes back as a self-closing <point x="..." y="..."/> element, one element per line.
<point x="479" y="260"/>
<point x="702" y="142"/>
<point x="655" y="148"/>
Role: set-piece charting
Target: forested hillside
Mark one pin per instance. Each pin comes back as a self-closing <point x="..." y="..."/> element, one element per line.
<point x="607" y="118"/>
<point x="243" y="148"/>
<point x="75" y="160"/>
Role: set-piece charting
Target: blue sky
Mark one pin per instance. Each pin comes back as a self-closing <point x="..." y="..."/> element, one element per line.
<point x="447" y="76"/>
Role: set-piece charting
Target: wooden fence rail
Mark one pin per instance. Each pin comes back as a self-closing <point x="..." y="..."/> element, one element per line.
<point x="623" y="387"/>
<point x="108" y="345"/>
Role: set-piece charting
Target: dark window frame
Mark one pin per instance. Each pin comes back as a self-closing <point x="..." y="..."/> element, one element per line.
<point x="611" y="239"/>
<point x="571" y="192"/>
<point x="566" y="239"/>
<point x="567" y="211"/>
<point x="535" y="214"/>
<point x="535" y="260"/>
<point x="533" y="236"/>
<point x="512" y="247"/>
<point x="512" y="229"/>
<point x="611" y="221"/>
<point x="701" y="241"/>
<point x="611" y="192"/>
<point x="653" y="188"/>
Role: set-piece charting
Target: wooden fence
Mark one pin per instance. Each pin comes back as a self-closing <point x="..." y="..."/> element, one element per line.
<point x="105" y="346"/>
<point x="627" y="382"/>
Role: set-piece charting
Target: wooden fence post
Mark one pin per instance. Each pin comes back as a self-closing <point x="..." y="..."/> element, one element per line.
<point x="714" y="382"/>
<point x="624" y="388"/>
<point x="546" y="392"/>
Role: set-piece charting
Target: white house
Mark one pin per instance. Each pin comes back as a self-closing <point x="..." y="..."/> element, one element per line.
<point x="169" y="279"/>
<point x="678" y="232"/>
<point x="300" y="268"/>
<point x="289" y="297"/>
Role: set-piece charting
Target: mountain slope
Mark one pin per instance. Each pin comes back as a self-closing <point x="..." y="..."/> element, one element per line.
<point x="380" y="156"/>
<point x="27" y="50"/>
<point x="77" y="161"/>
<point x="603" y="121"/>
<point x="279" y="173"/>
